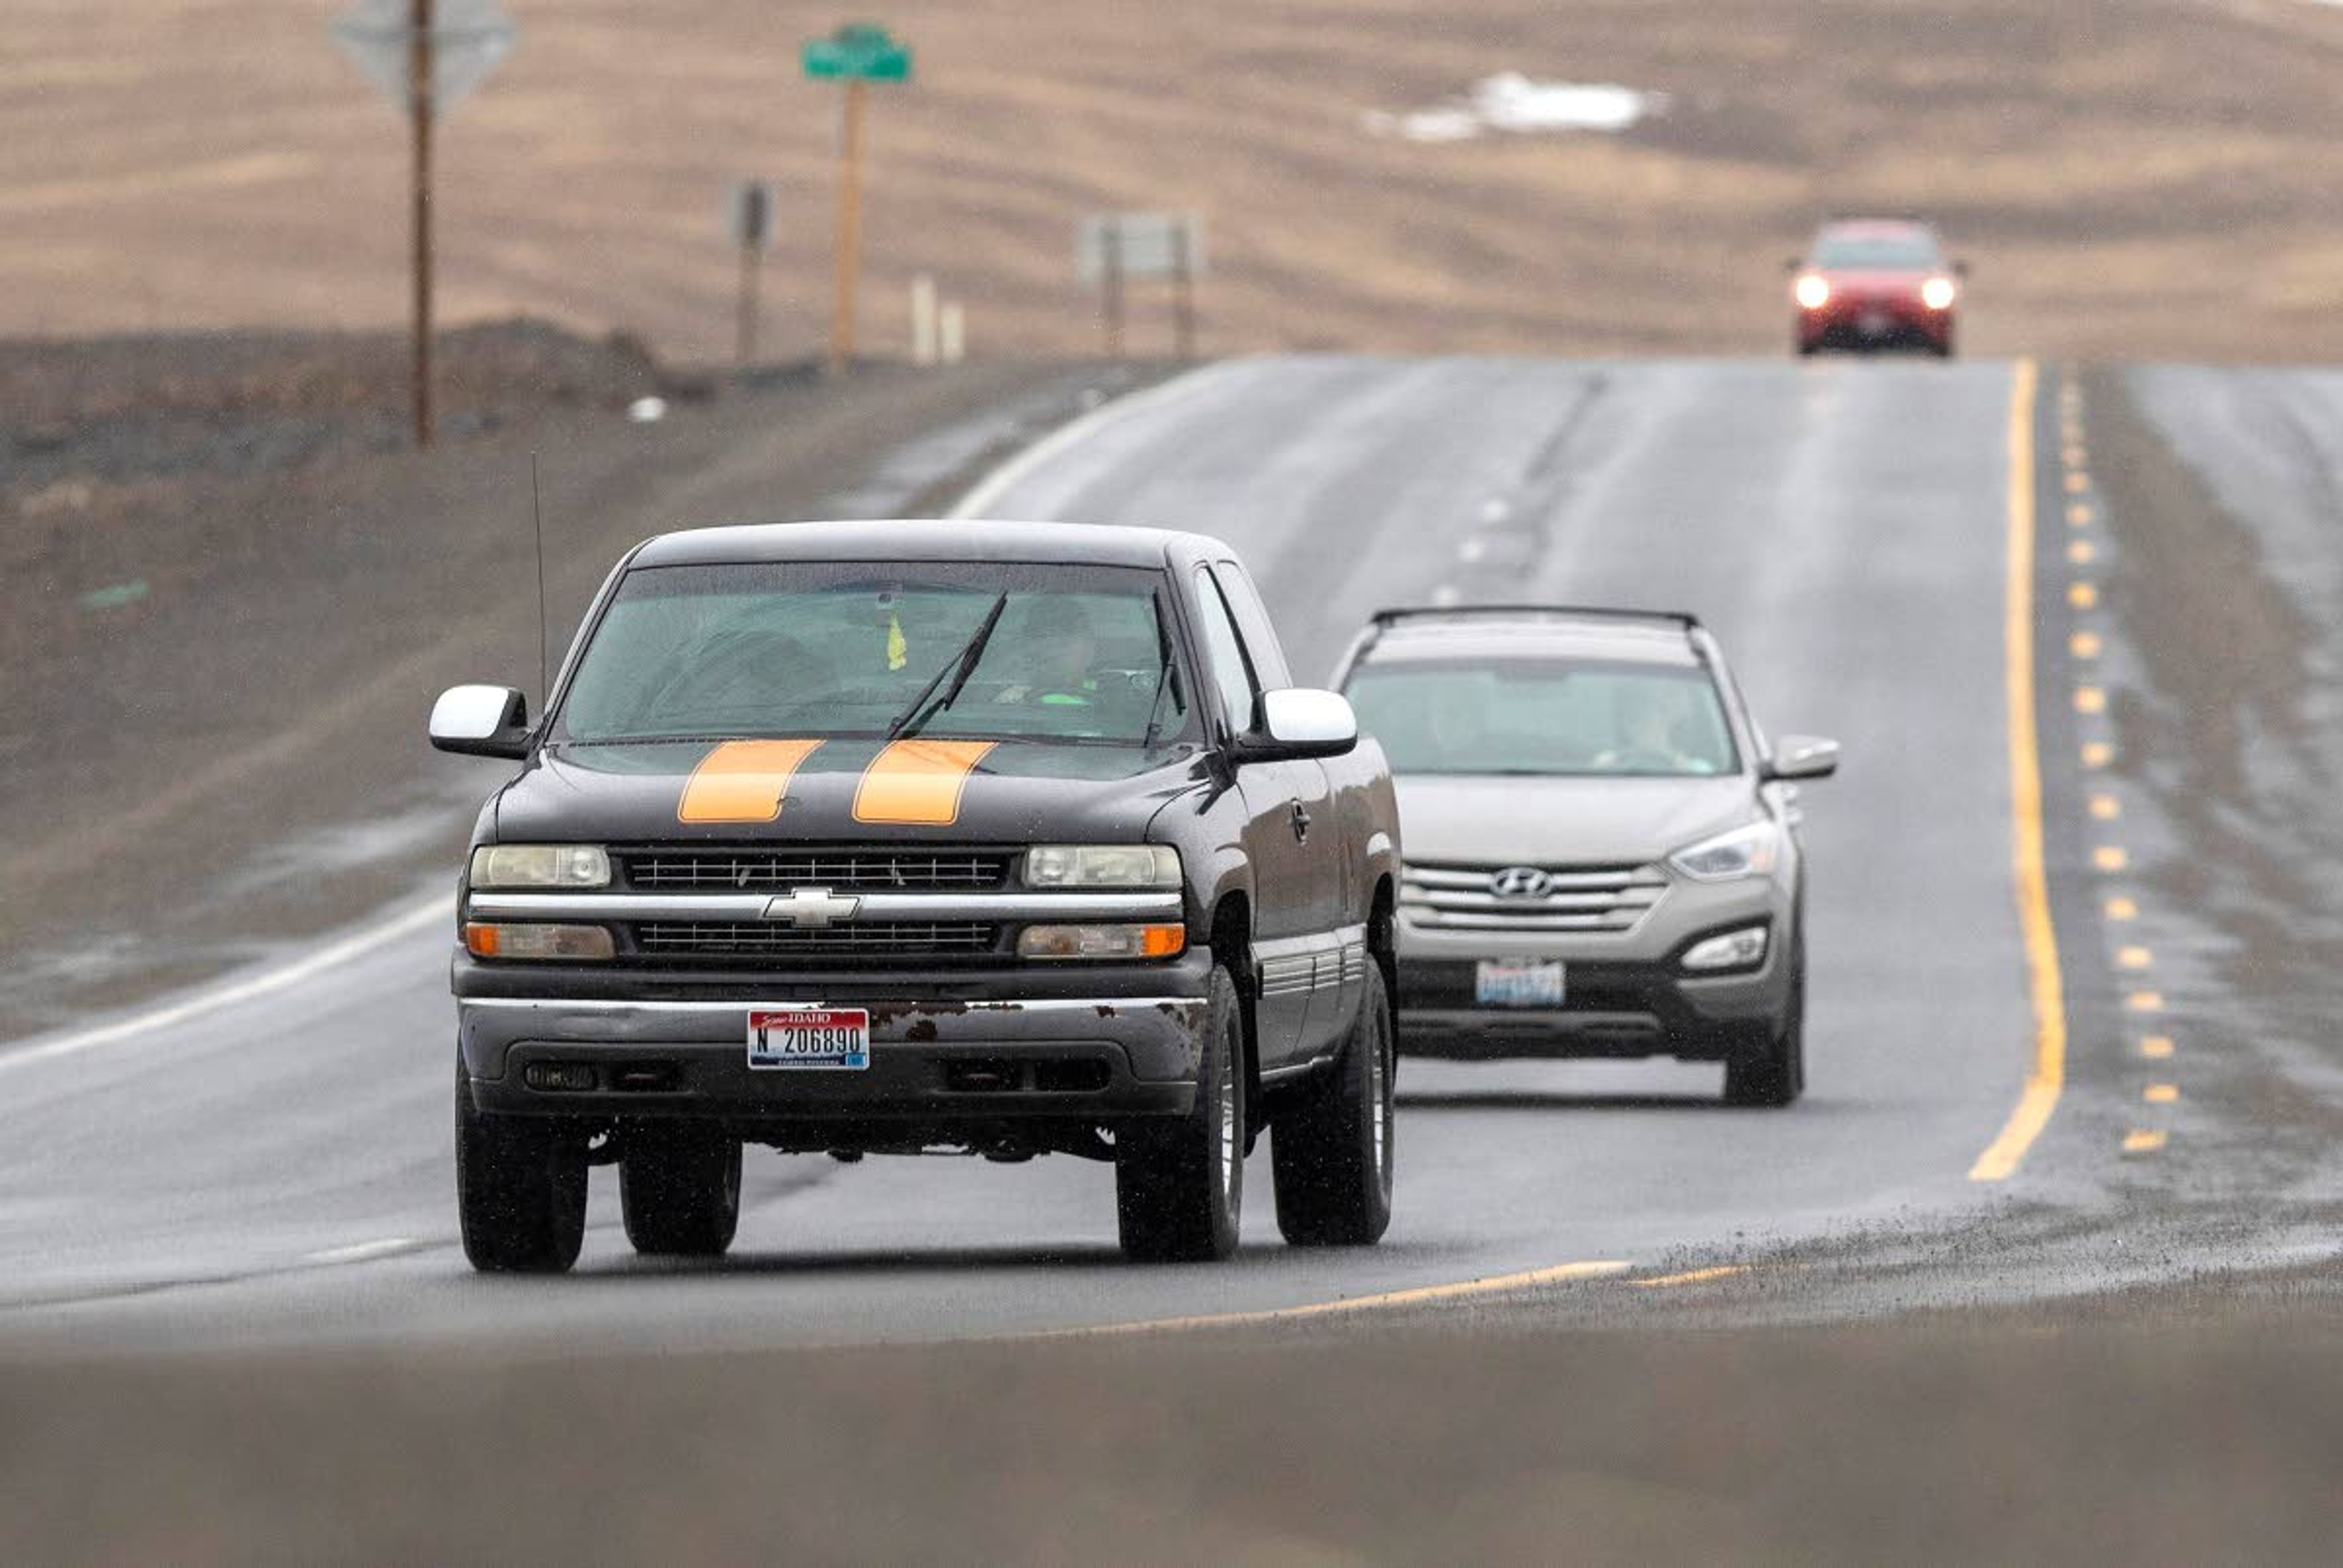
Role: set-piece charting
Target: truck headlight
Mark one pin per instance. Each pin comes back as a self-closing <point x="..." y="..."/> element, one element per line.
<point x="1102" y="866"/>
<point x="540" y="866"/>
<point x="1744" y="851"/>
<point x="1101" y="941"/>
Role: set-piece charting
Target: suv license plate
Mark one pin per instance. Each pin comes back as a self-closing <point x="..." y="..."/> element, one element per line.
<point x="1505" y="984"/>
<point x="801" y="1038"/>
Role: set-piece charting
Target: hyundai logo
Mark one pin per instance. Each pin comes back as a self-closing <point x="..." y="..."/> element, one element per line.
<point x="1521" y="882"/>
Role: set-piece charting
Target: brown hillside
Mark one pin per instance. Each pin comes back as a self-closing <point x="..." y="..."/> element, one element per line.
<point x="2151" y="179"/>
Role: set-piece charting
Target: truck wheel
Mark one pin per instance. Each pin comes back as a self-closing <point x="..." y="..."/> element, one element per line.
<point x="520" y="1189"/>
<point x="1330" y="1143"/>
<point x="681" y="1195"/>
<point x="1776" y="1074"/>
<point x="1179" y="1186"/>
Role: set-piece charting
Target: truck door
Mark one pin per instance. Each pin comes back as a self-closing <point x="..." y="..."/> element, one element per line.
<point x="1312" y="844"/>
<point x="1283" y="917"/>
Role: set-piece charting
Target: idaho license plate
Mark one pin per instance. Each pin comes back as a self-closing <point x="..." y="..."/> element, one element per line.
<point x="838" y="1039"/>
<point x="1537" y="983"/>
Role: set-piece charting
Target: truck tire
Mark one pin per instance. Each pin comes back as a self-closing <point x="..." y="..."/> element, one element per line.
<point x="1179" y="1185"/>
<point x="520" y="1189"/>
<point x="680" y="1195"/>
<point x="1774" y="1075"/>
<point x="1330" y="1145"/>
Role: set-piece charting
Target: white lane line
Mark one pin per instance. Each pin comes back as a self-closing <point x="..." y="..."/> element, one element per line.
<point x="1496" y="509"/>
<point x="268" y="982"/>
<point x="1473" y="550"/>
<point x="1444" y="596"/>
<point x="979" y="501"/>
<point x="361" y="1252"/>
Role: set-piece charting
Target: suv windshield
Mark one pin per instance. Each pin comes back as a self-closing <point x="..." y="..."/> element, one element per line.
<point x="1560" y="717"/>
<point x="1876" y="253"/>
<point x="821" y="649"/>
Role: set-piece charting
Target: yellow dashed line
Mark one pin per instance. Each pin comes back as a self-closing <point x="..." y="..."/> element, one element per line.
<point x="2082" y="596"/>
<point x="2142" y="1141"/>
<point x="2090" y="700"/>
<point x="2084" y="645"/>
<point x="2082" y="552"/>
<point x="2143" y="1001"/>
<point x="1693" y="1277"/>
<point x="2073" y="455"/>
<point x="2078" y="483"/>
<point x="2122" y="909"/>
<point x="2079" y="514"/>
<point x="2161" y="1094"/>
<point x="2105" y="808"/>
<point x="1495" y="1284"/>
<point x="2134" y="957"/>
<point x="2156" y="1047"/>
<point x="2110" y="858"/>
<point x="2097" y="753"/>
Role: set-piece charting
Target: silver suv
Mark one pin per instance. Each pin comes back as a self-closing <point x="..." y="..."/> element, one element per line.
<point x="1603" y="855"/>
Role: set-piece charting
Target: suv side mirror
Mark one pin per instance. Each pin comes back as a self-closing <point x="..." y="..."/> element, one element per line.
<point x="481" y="721"/>
<point x="1803" y="756"/>
<point x="1961" y="269"/>
<point x="1299" y="723"/>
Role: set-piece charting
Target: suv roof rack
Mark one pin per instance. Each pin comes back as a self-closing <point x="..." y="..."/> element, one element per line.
<point x="1383" y="617"/>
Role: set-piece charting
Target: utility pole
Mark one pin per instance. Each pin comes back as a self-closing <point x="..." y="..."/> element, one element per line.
<point x="419" y="86"/>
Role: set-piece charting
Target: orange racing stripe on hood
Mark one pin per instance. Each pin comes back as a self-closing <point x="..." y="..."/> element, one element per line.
<point x="742" y="781"/>
<point x="918" y="783"/>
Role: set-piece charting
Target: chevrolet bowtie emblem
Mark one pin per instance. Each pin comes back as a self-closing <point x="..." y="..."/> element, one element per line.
<point x="811" y="907"/>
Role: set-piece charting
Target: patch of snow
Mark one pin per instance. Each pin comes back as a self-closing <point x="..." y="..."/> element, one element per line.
<point x="1514" y="104"/>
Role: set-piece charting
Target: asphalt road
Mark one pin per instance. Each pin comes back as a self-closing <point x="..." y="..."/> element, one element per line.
<point x="273" y="1167"/>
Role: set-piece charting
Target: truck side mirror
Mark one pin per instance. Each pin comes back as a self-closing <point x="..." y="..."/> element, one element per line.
<point x="1300" y="722"/>
<point x="481" y="721"/>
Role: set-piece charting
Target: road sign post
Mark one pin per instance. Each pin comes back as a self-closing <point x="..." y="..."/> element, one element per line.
<point x="856" y="54"/>
<point x="425" y="55"/>
<point x="1112" y="248"/>
<point x="752" y="207"/>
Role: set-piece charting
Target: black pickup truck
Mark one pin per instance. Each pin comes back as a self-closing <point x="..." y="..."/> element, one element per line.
<point x="907" y="837"/>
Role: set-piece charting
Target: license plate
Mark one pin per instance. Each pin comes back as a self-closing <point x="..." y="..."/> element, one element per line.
<point x="1874" y="324"/>
<point x="1505" y="984"/>
<point x="832" y="1038"/>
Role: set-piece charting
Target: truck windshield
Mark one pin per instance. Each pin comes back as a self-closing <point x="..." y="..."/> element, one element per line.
<point x="818" y="648"/>
<point x="1543" y="716"/>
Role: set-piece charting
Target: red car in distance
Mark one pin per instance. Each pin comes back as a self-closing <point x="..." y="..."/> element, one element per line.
<point x="1875" y="282"/>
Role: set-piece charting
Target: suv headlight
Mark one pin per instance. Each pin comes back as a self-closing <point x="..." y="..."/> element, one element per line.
<point x="1744" y="851"/>
<point x="1102" y="866"/>
<point x="540" y="866"/>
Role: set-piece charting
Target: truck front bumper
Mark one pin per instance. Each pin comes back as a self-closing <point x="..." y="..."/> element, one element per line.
<point x="945" y="1054"/>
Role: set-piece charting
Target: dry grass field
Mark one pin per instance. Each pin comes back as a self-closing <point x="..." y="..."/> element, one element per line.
<point x="2133" y="177"/>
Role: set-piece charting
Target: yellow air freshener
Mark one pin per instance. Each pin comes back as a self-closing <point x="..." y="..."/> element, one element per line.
<point x="899" y="653"/>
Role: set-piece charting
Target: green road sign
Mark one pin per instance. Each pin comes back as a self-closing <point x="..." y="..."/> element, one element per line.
<point x="858" y="52"/>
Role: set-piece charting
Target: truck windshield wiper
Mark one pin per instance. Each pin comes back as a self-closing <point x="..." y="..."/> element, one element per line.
<point x="1163" y="674"/>
<point x="921" y="710"/>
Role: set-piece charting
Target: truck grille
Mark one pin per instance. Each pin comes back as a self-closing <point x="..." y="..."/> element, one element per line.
<point x="1573" y="899"/>
<point x="683" y="871"/>
<point x="722" y="939"/>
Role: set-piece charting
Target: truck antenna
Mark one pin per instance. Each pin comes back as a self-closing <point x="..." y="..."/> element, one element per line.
<point x="537" y="516"/>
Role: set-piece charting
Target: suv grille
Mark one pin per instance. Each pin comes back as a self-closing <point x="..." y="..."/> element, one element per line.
<point x="720" y="939"/>
<point x="1573" y="897"/>
<point x="681" y="871"/>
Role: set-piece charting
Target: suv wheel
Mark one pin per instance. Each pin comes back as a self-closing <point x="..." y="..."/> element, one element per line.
<point x="1179" y="1186"/>
<point x="1331" y="1144"/>
<point x="1775" y="1074"/>
<point x="680" y="1195"/>
<point x="520" y="1189"/>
